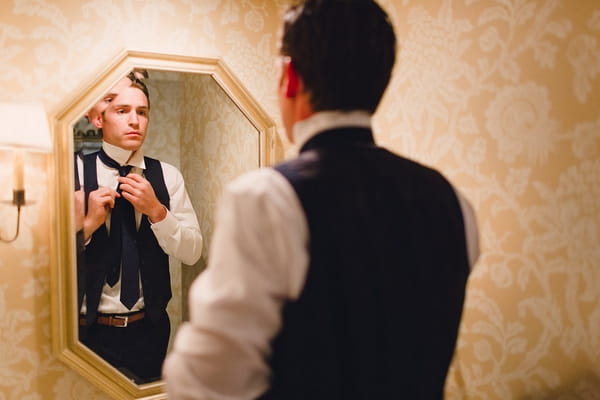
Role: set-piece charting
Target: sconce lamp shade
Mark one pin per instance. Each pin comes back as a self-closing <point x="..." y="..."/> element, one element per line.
<point x="24" y="125"/>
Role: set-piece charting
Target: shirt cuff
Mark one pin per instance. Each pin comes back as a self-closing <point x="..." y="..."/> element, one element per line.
<point x="168" y="223"/>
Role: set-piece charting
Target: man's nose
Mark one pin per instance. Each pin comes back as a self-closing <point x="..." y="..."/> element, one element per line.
<point x="133" y="118"/>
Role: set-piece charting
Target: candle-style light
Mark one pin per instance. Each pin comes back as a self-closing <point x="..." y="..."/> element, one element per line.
<point x="19" y="180"/>
<point x="24" y="128"/>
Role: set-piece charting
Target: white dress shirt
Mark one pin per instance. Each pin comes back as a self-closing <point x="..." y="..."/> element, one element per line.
<point x="258" y="261"/>
<point x="178" y="234"/>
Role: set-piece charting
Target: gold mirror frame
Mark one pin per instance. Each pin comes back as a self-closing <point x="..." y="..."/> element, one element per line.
<point x="66" y="344"/>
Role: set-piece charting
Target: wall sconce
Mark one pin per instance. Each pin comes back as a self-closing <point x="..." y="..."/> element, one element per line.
<point x="24" y="128"/>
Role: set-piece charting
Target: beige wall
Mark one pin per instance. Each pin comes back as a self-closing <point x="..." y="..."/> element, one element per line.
<point x="49" y="49"/>
<point x="227" y="143"/>
<point x="504" y="96"/>
<point x="198" y="128"/>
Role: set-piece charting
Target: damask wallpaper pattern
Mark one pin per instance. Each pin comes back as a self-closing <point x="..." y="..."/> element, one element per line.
<point x="196" y="127"/>
<point x="501" y="95"/>
<point x="504" y="97"/>
<point x="216" y="132"/>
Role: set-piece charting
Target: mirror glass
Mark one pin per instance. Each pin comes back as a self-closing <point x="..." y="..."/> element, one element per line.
<point x="202" y="122"/>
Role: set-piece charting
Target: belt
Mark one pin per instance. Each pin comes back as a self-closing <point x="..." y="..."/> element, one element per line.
<point x="115" y="320"/>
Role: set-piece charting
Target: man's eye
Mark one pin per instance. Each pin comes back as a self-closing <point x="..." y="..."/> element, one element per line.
<point x="143" y="113"/>
<point x="108" y="99"/>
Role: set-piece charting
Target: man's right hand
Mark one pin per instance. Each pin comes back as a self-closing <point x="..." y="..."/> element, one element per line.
<point x="100" y="202"/>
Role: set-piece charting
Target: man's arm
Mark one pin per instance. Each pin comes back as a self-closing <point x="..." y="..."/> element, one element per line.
<point x="471" y="229"/>
<point x="258" y="261"/>
<point x="177" y="230"/>
<point x="100" y="201"/>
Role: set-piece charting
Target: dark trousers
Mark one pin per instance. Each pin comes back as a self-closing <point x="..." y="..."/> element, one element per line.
<point x="138" y="350"/>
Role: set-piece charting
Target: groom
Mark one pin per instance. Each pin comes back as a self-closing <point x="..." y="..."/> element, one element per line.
<point x="138" y="213"/>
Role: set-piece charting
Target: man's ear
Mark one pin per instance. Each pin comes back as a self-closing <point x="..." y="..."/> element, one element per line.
<point x="292" y="80"/>
<point x="96" y="120"/>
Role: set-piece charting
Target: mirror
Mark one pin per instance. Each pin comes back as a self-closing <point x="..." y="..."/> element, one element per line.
<point x="203" y="122"/>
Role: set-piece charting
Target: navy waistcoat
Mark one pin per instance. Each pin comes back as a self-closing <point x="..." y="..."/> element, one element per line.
<point x="378" y="315"/>
<point x="154" y="262"/>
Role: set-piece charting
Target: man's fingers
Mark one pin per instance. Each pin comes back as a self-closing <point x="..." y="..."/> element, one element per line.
<point x="133" y="177"/>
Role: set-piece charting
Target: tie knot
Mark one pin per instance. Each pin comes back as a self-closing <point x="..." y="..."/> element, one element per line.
<point x="124" y="170"/>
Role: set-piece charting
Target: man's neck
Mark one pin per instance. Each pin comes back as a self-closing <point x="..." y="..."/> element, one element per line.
<point x="122" y="156"/>
<point x="325" y="120"/>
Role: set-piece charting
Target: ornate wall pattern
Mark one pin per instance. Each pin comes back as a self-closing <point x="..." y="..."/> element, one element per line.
<point x="216" y="132"/>
<point x="196" y="127"/>
<point x="502" y="95"/>
<point x="48" y="50"/>
<point x="163" y="142"/>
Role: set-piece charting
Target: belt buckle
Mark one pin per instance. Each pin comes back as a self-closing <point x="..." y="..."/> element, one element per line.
<point x="124" y="318"/>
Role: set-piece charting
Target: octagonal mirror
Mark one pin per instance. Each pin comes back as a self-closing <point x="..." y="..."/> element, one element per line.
<point x="204" y="123"/>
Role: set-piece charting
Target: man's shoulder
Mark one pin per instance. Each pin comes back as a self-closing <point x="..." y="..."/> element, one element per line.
<point x="415" y="168"/>
<point x="306" y="162"/>
<point x="257" y="183"/>
<point x="165" y="166"/>
<point x="154" y="160"/>
<point x="162" y="171"/>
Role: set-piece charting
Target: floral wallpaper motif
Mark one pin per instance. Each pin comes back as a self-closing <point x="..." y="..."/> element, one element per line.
<point x="163" y="142"/>
<point x="196" y="127"/>
<point x="503" y="96"/>
<point x="524" y="108"/>
<point x="48" y="50"/>
<point x="218" y="144"/>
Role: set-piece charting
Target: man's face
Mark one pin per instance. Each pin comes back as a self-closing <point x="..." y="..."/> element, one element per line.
<point x="94" y="114"/>
<point x="125" y="120"/>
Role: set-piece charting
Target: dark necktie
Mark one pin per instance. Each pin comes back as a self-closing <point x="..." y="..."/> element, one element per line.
<point x="122" y="252"/>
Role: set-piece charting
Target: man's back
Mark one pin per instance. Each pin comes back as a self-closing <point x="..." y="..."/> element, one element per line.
<point x="342" y="275"/>
<point x="379" y="313"/>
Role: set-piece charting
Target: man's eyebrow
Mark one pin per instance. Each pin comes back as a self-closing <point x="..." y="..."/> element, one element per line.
<point x="124" y="105"/>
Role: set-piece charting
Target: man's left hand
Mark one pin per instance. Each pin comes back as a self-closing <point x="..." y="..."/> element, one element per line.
<point x="138" y="191"/>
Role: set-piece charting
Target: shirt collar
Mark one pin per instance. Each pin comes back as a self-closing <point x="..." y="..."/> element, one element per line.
<point x="121" y="155"/>
<point x="325" y="120"/>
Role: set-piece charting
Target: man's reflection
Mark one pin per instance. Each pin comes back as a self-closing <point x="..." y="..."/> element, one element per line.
<point x="137" y="213"/>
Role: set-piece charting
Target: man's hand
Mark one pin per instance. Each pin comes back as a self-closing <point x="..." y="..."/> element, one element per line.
<point x="100" y="202"/>
<point x="138" y="191"/>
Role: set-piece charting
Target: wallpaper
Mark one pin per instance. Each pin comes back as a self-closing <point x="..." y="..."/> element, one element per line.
<point x="218" y="144"/>
<point x="163" y="143"/>
<point x="196" y="127"/>
<point x="503" y="96"/>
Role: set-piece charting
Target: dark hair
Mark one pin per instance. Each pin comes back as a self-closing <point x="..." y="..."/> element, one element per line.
<point x="344" y="50"/>
<point x="138" y="83"/>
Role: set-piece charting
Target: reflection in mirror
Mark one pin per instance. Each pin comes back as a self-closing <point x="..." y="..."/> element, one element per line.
<point x="202" y="122"/>
<point x="196" y="128"/>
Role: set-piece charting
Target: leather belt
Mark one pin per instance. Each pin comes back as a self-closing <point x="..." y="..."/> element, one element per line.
<point x="115" y="320"/>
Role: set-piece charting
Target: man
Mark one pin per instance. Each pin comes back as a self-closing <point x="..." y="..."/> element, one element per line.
<point x="84" y="127"/>
<point x="340" y="274"/>
<point x="137" y="214"/>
